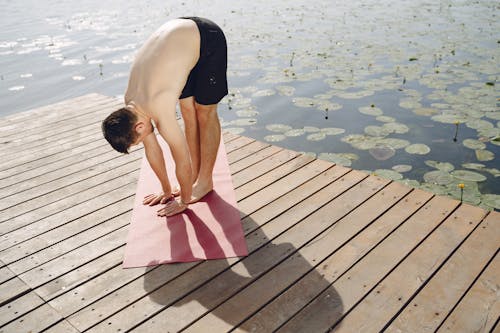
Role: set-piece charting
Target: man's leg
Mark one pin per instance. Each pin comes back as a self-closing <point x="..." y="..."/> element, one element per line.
<point x="209" y="136"/>
<point x="192" y="132"/>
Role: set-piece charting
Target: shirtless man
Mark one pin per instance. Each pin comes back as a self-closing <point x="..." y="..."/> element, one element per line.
<point x="185" y="60"/>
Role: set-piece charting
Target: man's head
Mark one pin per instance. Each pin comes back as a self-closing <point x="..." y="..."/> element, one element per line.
<point x="123" y="128"/>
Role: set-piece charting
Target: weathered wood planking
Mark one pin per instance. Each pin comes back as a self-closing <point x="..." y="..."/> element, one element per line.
<point x="330" y="247"/>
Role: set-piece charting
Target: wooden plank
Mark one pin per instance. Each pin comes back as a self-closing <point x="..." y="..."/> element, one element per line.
<point x="30" y="141"/>
<point x="5" y="273"/>
<point x="245" y="152"/>
<point x="426" y="311"/>
<point x="68" y="236"/>
<point x="305" y="261"/>
<point x="11" y="289"/>
<point x="50" y="163"/>
<point x="304" y="221"/>
<point x="288" y="303"/>
<point x="237" y="144"/>
<point x="49" y="152"/>
<point x="102" y="196"/>
<point x="48" y="111"/>
<point x="387" y="298"/>
<point x="206" y="270"/>
<point x="62" y="327"/>
<point x="19" y="307"/>
<point x="325" y="310"/>
<point x="71" y="260"/>
<point x="270" y="177"/>
<point x="70" y="244"/>
<point x="479" y="309"/>
<point x="35" y="321"/>
<point x="62" y="198"/>
<point x="89" y="271"/>
<point x="123" y="295"/>
<point x="47" y="121"/>
<point x="65" y="178"/>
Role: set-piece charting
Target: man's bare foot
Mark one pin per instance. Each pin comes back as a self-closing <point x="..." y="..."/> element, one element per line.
<point x="200" y="190"/>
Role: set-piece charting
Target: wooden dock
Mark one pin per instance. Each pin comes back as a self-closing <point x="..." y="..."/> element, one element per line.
<point x="330" y="247"/>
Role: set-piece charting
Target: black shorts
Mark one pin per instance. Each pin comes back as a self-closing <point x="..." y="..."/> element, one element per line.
<point x="207" y="81"/>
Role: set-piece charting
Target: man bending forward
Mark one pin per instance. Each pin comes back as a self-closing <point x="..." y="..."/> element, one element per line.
<point x="185" y="60"/>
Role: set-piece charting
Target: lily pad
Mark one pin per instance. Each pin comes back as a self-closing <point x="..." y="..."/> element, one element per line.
<point x="235" y="130"/>
<point x="311" y="129"/>
<point x="279" y="128"/>
<point x="438" y="177"/>
<point x="473" y="144"/>
<point x="468" y="175"/>
<point x="385" y="119"/>
<point x="449" y="118"/>
<point x="395" y="143"/>
<point x="491" y="200"/>
<point x="484" y="155"/>
<point x="425" y="111"/>
<point x="434" y="188"/>
<point x="496" y="141"/>
<point x="479" y="124"/>
<point x="335" y="158"/>
<point x="274" y="138"/>
<point x="378" y="131"/>
<point x="418" y="148"/>
<point x="402" y="168"/>
<point x="304" y="102"/>
<point x="443" y="166"/>
<point x="382" y="152"/>
<point x="316" y="136"/>
<point x="323" y="105"/>
<point x="332" y="130"/>
<point x="389" y="174"/>
<point x="473" y="166"/>
<point x="371" y="111"/>
<point x="264" y="92"/>
<point x="248" y="113"/>
<point x="396" y="128"/>
<point x="244" y="122"/>
<point x="295" y="132"/>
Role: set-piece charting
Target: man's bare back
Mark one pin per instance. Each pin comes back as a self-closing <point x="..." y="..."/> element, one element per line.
<point x="163" y="63"/>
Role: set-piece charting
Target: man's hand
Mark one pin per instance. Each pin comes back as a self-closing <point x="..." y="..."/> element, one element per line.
<point x="174" y="206"/>
<point x="154" y="199"/>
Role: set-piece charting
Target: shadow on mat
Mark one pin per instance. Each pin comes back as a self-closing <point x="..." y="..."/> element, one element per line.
<point x="231" y="280"/>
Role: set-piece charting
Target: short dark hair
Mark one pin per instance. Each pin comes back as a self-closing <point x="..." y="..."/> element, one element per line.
<point x="118" y="129"/>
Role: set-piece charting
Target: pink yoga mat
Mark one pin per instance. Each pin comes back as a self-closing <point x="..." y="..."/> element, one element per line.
<point x="208" y="229"/>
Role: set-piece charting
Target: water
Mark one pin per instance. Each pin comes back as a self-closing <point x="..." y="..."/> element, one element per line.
<point x="412" y="60"/>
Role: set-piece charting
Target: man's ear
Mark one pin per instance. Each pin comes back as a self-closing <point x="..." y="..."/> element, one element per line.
<point x="139" y="127"/>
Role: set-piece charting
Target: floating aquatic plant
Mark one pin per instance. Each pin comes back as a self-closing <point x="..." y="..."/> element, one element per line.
<point x="418" y="148"/>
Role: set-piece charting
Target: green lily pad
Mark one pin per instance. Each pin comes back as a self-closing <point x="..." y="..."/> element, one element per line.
<point x="409" y="182"/>
<point x="274" y="138"/>
<point x="310" y="129"/>
<point x="309" y="153"/>
<point x="394" y="143"/>
<point x="382" y="152"/>
<point x="484" y="155"/>
<point x="438" y="177"/>
<point x="371" y="111"/>
<point x="248" y="113"/>
<point x="443" y="166"/>
<point x="491" y="200"/>
<point x="495" y="141"/>
<point x="470" y="194"/>
<point x="468" y="175"/>
<point x="402" y="168"/>
<point x="434" y="188"/>
<point x="449" y="118"/>
<point x="418" y="148"/>
<point x="316" y="136"/>
<point x="389" y="174"/>
<point x="264" y="92"/>
<point x="361" y="142"/>
<point x="473" y="144"/>
<point x="323" y="105"/>
<point x="332" y="130"/>
<point x="304" y="102"/>
<point x="235" y="130"/>
<point x="244" y="122"/>
<point x="479" y="124"/>
<point x="385" y="119"/>
<point x="378" y="131"/>
<point x="279" y="128"/>
<point x="473" y="166"/>
<point x="335" y="158"/>
<point x="396" y="128"/>
<point x="425" y="111"/>
<point x="295" y="132"/>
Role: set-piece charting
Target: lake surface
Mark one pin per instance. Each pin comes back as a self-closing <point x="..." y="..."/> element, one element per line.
<point x="404" y="89"/>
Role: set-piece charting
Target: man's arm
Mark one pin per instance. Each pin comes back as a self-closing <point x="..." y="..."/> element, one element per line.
<point x="154" y="154"/>
<point x="171" y="131"/>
